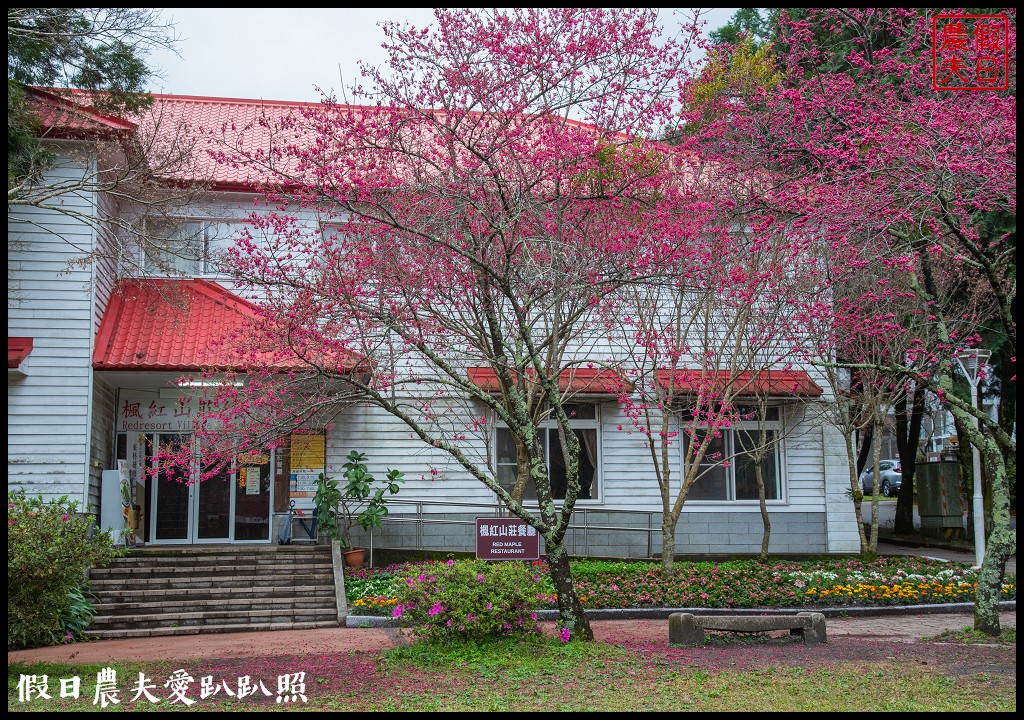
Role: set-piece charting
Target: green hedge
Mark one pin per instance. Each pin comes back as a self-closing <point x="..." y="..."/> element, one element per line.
<point x="50" y="549"/>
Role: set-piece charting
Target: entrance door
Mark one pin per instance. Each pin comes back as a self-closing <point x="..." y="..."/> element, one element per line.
<point x="172" y="494"/>
<point x="185" y="511"/>
<point x="252" y="497"/>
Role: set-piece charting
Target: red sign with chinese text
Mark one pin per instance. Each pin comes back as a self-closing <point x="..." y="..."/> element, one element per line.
<point x="970" y="52"/>
<point x="506" y="539"/>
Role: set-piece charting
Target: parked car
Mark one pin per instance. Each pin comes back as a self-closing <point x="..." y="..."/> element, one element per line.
<point x="889" y="481"/>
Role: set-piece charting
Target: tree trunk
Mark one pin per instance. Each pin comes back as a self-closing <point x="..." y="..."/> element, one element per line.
<point x="965" y="459"/>
<point x="1006" y="371"/>
<point x="864" y="454"/>
<point x="876" y="461"/>
<point x="1001" y="544"/>
<point x="765" y="520"/>
<point x="570" y="610"/>
<point x="668" y="547"/>
<point x="858" y="496"/>
<point x="908" y="433"/>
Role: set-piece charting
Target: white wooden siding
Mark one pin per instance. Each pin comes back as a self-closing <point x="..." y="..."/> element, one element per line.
<point x="812" y="474"/>
<point x="627" y="477"/>
<point x="48" y="414"/>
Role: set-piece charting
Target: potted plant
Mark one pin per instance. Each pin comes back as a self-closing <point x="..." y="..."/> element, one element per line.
<point x="360" y="501"/>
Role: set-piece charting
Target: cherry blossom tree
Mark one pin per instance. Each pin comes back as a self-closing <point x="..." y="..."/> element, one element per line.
<point x="882" y="168"/>
<point x="478" y="204"/>
<point x="711" y="354"/>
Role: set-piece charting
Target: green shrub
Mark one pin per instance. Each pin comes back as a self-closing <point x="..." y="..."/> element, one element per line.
<point x="469" y="599"/>
<point x="50" y="549"/>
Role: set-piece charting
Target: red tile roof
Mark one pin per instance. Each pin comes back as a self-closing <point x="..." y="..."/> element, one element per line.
<point x="226" y="128"/>
<point x="775" y="383"/>
<point x="63" y="117"/>
<point x="18" y="348"/>
<point x="223" y="129"/>
<point x="583" y="381"/>
<point x="183" y="326"/>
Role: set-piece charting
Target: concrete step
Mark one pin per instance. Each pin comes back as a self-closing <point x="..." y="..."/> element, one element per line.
<point x="169" y="591"/>
<point x="112" y="634"/>
<point x="167" y="606"/>
<point x="220" y="559"/>
<point x="100" y="583"/>
<point x="212" y="618"/>
<point x="167" y="570"/>
<point x="118" y="595"/>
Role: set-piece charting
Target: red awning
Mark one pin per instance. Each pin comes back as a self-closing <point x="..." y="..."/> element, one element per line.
<point x="580" y="381"/>
<point x="18" y="349"/>
<point x="774" y="383"/>
<point x="184" y="326"/>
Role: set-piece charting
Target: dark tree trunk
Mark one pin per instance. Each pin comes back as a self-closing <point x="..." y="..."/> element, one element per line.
<point x="965" y="457"/>
<point x="570" y="610"/>
<point x="908" y="432"/>
<point x="864" y="454"/>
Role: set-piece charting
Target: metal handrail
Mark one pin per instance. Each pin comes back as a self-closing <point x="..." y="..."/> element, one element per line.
<point x="578" y="522"/>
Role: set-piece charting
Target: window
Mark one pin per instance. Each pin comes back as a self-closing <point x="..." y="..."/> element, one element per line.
<point x="728" y="469"/>
<point x="189" y="248"/>
<point x="584" y="423"/>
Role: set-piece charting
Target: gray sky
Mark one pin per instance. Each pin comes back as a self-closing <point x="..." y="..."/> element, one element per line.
<point x="285" y="54"/>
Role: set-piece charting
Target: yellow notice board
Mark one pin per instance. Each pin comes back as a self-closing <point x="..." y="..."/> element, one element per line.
<point x="308" y="458"/>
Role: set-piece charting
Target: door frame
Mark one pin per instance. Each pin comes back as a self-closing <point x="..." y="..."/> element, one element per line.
<point x="193" y="504"/>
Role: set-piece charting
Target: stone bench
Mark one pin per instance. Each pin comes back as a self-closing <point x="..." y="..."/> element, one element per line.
<point x="688" y="629"/>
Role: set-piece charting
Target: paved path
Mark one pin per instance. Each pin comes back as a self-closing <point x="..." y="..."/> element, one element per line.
<point x="938" y="553"/>
<point x="901" y="628"/>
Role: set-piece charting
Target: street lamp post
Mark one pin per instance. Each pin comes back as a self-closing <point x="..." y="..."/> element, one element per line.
<point x="971" y="363"/>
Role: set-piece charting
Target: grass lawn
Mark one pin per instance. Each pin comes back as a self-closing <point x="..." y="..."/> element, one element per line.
<point x="542" y="674"/>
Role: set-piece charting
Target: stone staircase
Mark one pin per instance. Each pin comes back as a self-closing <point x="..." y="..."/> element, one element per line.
<point x="195" y="589"/>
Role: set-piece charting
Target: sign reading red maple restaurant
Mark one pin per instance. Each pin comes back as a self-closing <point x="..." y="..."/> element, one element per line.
<point x="506" y="539"/>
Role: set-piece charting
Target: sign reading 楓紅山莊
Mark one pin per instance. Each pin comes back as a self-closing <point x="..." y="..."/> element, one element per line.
<point x="506" y="539"/>
<point x="148" y="414"/>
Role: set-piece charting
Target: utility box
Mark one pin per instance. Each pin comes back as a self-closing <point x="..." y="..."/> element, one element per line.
<point x="940" y="500"/>
<point x="113" y="511"/>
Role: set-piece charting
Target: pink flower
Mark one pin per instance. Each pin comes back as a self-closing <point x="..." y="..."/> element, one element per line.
<point x="479" y="577"/>
<point x="565" y="633"/>
<point x="65" y="518"/>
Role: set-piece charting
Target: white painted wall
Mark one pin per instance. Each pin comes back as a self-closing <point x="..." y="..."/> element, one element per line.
<point x="813" y="461"/>
<point x="812" y="476"/>
<point x="48" y="412"/>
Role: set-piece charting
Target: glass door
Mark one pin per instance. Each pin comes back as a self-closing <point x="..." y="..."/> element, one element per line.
<point x="252" y="497"/>
<point x="213" y="507"/>
<point x="172" y="492"/>
<point x="184" y="510"/>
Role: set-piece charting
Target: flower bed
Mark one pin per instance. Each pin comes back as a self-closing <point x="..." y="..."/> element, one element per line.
<point x="901" y="580"/>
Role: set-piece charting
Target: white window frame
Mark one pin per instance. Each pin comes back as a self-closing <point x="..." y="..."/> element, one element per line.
<point x="201" y="265"/>
<point x="752" y="428"/>
<point x="551" y="426"/>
